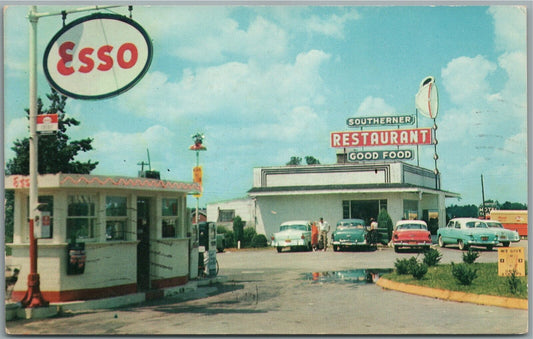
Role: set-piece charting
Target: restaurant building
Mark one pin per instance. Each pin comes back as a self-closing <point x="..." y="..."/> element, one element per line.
<point x="105" y="236"/>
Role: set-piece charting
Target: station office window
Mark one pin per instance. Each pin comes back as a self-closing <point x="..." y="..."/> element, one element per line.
<point x="81" y="217"/>
<point x="169" y="215"/>
<point x="116" y="217"/>
<point x="226" y="215"/>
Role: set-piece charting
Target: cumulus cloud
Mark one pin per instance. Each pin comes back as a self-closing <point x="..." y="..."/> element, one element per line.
<point x="509" y="27"/>
<point x="374" y="106"/>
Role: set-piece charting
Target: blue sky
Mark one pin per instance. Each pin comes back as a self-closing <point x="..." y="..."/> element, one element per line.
<point x="265" y="83"/>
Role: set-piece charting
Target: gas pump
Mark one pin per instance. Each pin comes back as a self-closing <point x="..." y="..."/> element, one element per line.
<point x="212" y="251"/>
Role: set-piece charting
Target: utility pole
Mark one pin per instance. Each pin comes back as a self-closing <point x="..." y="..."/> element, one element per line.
<point x="483" y="196"/>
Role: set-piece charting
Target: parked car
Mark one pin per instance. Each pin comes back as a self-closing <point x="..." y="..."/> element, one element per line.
<point x="412" y="234"/>
<point x="293" y="234"/>
<point x="349" y="233"/>
<point x="506" y="236"/>
<point x="467" y="232"/>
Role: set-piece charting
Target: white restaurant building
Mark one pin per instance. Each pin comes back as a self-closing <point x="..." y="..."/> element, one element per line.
<point x="337" y="191"/>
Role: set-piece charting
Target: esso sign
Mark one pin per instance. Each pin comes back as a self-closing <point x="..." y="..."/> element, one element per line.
<point x="97" y="56"/>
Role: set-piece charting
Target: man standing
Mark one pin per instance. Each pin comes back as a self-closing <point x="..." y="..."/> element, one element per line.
<point x="324" y="229"/>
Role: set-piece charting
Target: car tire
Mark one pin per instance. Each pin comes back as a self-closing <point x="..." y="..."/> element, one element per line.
<point x="506" y="244"/>
<point x="335" y="248"/>
<point x="279" y="249"/>
<point x="441" y="242"/>
<point x="489" y="248"/>
<point x="462" y="245"/>
<point x="396" y="249"/>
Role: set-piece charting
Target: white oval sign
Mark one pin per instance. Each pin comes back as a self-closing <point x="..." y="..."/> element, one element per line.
<point x="97" y="56"/>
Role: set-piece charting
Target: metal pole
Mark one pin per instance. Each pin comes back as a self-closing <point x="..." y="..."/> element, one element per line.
<point x="197" y="197"/>
<point x="33" y="296"/>
<point x="483" y="195"/>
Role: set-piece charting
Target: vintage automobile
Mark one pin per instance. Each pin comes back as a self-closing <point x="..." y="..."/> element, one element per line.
<point x="467" y="232"/>
<point x="506" y="236"/>
<point x="349" y="233"/>
<point x="293" y="234"/>
<point x="412" y="234"/>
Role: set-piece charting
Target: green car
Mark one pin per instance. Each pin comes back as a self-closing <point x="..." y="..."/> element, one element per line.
<point x="466" y="232"/>
<point x="349" y="233"/>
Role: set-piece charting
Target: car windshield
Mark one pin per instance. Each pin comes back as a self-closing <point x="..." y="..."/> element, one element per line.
<point x="411" y="227"/>
<point x="494" y="225"/>
<point x="351" y="224"/>
<point x="293" y="227"/>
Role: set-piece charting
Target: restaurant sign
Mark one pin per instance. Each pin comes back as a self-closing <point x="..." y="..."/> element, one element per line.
<point x="397" y="137"/>
<point x="380" y="155"/>
<point x="97" y="56"/>
<point x="385" y="120"/>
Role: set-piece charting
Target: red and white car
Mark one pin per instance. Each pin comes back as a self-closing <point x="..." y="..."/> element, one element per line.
<point x="411" y="234"/>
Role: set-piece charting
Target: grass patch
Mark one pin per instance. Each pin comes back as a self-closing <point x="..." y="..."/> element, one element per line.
<point x="487" y="282"/>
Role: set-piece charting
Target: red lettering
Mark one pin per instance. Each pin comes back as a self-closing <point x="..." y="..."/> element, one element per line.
<point x="103" y="55"/>
<point x="84" y="58"/>
<point x="128" y="46"/>
<point x="65" y="58"/>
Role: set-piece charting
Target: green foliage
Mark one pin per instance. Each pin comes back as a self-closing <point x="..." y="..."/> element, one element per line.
<point x="464" y="274"/>
<point x="259" y="240"/>
<point x="248" y="235"/>
<point x="455" y="211"/>
<point x="514" y="283"/>
<point x="294" y="161"/>
<point x="418" y="270"/>
<point x="238" y="229"/>
<point x="229" y="238"/>
<point x="310" y="160"/>
<point x="470" y="256"/>
<point x="403" y="266"/>
<point x="221" y="229"/>
<point x="513" y="206"/>
<point x="385" y="221"/>
<point x="432" y="257"/>
<point x="56" y="151"/>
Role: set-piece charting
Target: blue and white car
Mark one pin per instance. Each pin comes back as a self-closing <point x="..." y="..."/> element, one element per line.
<point x="466" y="232"/>
<point x="293" y="234"/>
<point x="506" y="236"/>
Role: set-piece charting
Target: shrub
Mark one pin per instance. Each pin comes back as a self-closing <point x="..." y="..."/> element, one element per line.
<point x="404" y="266"/>
<point x="221" y="230"/>
<point x="259" y="240"/>
<point x="432" y="257"/>
<point x="385" y="221"/>
<point x="464" y="274"/>
<point x="229" y="238"/>
<point x="238" y="226"/>
<point x="418" y="270"/>
<point x="470" y="256"/>
<point x="514" y="283"/>
<point x="248" y="235"/>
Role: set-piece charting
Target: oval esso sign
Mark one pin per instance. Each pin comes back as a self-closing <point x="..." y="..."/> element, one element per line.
<point x="97" y="56"/>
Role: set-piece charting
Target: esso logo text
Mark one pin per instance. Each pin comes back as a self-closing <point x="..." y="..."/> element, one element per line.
<point x="98" y="56"/>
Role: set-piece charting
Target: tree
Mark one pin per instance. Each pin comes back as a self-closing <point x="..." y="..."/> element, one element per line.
<point x="513" y="206"/>
<point x="294" y="161"/>
<point x="238" y="229"/>
<point x="56" y="152"/>
<point x="310" y="160"/>
<point x="385" y="221"/>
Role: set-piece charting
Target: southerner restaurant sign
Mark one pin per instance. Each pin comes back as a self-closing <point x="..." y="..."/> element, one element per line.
<point x="396" y="137"/>
<point x="373" y="121"/>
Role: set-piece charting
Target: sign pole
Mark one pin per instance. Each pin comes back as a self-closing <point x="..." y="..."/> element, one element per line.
<point x="33" y="296"/>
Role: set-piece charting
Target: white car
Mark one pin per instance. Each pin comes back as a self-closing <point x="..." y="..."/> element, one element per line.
<point x="505" y="236"/>
<point x="293" y="234"/>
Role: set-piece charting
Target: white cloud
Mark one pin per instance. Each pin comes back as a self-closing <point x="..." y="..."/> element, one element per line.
<point x="372" y="106"/>
<point x="509" y="27"/>
<point x="465" y="79"/>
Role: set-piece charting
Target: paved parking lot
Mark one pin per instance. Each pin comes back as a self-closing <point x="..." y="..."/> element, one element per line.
<point x="274" y="293"/>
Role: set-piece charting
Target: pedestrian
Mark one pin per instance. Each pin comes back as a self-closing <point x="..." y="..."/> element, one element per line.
<point x="324" y="229"/>
<point x="314" y="236"/>
<point x="373" y="224"/>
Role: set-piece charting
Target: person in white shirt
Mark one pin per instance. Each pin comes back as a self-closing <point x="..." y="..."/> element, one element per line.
<point x="323" y="226"/>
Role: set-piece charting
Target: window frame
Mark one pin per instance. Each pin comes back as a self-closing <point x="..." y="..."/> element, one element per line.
<point x="92" y="219"/>
<point x="123" y="219"/>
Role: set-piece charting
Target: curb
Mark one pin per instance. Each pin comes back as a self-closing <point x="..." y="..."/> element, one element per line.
<point x="481" y="299"/>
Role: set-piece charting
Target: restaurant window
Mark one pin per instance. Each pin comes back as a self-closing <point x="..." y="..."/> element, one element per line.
<point x="226" y="215"/>
<point x="363" y="209"/>
<point x="116" y="213"/>
<point x="410" y="209"/>
<point x="169" y="218"/>
<point x="81" y="217"/>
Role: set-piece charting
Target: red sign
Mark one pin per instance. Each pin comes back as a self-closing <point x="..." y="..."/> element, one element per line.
<point x="97" y="56"/>
<point x="47" y="123"/>
<point x="396" y="137"/>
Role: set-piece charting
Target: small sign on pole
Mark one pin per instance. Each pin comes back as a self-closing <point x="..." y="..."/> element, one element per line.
<point x="511" y="259"/>
<point x="47" y="123"/>
<point x="197" y="177"/>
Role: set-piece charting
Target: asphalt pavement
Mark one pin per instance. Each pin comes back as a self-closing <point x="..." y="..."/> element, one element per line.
<point x="294" y="293"/>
